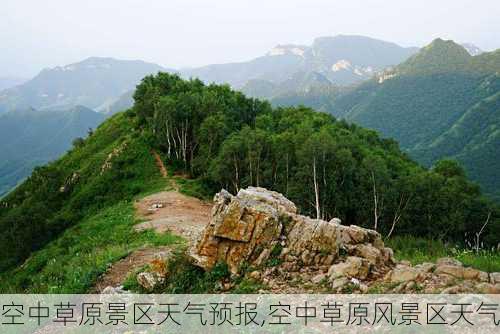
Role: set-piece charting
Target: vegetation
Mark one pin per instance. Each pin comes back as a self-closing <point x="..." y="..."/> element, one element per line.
<point x="419" y="250"/>
<point x="73" y="262"/>
<point x="441" y="103"/>
<point x="329" y="168"/>
<point x="113" y="165"/>
<point x="74" y="216"/>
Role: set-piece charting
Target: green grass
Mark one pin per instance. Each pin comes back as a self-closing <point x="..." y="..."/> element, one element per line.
<point x="419" y="250"/>
<point x="194" y="188"/>
<point x="73" y="262"/>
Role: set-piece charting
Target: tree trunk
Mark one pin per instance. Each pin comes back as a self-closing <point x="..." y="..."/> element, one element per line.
<point x="375" y="203"/>
<point x="316" y="190"/>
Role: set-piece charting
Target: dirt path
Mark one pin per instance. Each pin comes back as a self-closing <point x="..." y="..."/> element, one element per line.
<point x="174" y="212"/>
<point x="119" y="271"/>
<point x="160" y="164"/>
<point x="166" y="211"/>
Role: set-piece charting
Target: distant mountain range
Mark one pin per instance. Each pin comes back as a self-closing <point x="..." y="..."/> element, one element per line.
<point x="95" y="83"/>
<point x="343" y="60"/>
<point x="440" y="103"/>
<point x="8" y="82"/>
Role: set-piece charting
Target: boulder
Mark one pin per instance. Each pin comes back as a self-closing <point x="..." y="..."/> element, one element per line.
<point x="404" y="273"/>
<point x="353" y="266"/>
<point x="150" y="280"/>
<point x="258" y="225"/>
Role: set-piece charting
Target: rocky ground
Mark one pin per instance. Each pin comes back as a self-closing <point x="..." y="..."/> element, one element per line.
<point x="291" y="253"/>
<point x="261" y="237"/>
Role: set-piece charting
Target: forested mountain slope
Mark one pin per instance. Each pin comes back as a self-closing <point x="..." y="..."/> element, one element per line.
<point x="32" y="138"/>
<point x="441" y="103"/>
<point x="224" y="140"/>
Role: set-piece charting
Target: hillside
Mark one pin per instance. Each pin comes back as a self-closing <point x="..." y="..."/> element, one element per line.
<point x="94" y="83"/>
<point x="73" y="217"/>
<point x="8" y="82"/>
<point x="441" y="103"/>
<point x="32" y="138"/>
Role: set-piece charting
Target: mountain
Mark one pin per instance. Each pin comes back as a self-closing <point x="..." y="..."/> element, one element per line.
<point x="32" y="138"/>
<point x="440" y="103"/>
<point x="8" y="82"/>
<point x="472" y="49"/>
<point x="342" y="59"/>
<point x="94" y="83"/>
<point x="72" y="219"/>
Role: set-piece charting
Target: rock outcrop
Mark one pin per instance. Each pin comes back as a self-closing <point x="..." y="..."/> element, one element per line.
<point x="258" y="227"/>
<point x="258" y="233"/>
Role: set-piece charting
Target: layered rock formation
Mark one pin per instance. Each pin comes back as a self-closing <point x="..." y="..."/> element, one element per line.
<point x="258" y="233"/>
<point x="260" y="228"/>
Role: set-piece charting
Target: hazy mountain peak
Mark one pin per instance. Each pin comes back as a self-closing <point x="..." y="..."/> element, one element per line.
<point x="280" y="50"/>
<point x="439" y="55"/>
<point x="472" y="49"/>
<point x="92" y="82"/>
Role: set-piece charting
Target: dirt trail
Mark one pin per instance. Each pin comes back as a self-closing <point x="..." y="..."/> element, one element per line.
<point x="160" y="164"/>
<point x="119" y="271"/>
<point x="164" y="211"/>
<point x="172" y="211"/>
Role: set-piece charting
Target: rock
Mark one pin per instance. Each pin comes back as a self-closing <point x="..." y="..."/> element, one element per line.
<point x="404" y="274"/>
<point x="494" y="278"/>
<point x="250" y="226"/>
<point x="488" y="288"/>
<point x="448" y="269"/>
<point x="335" y="221"/>
<point x="260" y="228"/>
<point x="426" y="267"/>
<point x="367" y="251"/>
<point x="109" y="290"/>
<point x="352" y="267"/>
<point x="353" y="234"/>
<point x="471" y="274"/>
<point x="319" y="278"/>
<point x="483" y="277"/>
<point x="255" y="275"/>
<point x="448" y="261"/>
<point x="150" y="280"/>
<point x="339" y="283"/>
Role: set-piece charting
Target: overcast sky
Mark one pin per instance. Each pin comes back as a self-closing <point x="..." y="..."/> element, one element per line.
<point x="35" y="34"/>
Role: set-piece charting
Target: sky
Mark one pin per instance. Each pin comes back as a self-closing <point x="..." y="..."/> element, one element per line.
<point x="36" y="34"/>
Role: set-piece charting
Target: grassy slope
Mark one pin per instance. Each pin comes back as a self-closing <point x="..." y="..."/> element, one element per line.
<point x="73" y="259"/>
<point x="73" y="262"/>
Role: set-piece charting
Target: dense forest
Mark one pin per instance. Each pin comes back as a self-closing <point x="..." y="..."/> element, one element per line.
<point x="225" y="140"/>
<point x="331" y="168"/>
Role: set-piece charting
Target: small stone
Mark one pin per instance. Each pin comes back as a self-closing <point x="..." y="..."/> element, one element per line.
<point x="149" y="280"/>
<point x="319" y="278"/>
<point x="338" y="283"/>
<point x="255" y="275"/>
